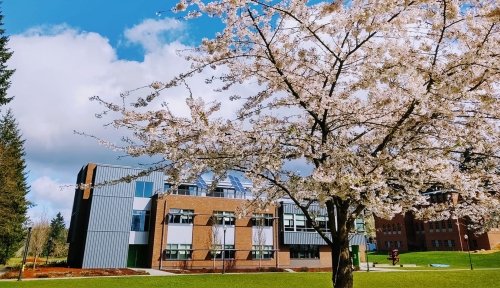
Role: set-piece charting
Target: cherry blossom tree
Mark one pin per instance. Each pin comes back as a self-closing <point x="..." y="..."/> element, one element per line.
<point x="375" y="101"/>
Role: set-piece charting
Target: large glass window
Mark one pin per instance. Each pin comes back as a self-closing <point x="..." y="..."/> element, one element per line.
<point x="224" y="218"/>
<point x="299" y="223"/>
<point x="221" y="193"/>
<point x="143" y="189"/>
<point x="262" y="220"/>
<point x="228" y="252"/>
<point x="180" y="216"/>
<point x="304" y="251"/>
<point x="262" y="251"/>
<point x="187" y="190"/>
<point x="177" y="252"/>
<point x="140" y="221"/>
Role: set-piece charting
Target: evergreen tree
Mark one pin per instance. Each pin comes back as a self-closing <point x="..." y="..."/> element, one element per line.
<point x="56" y="243"/>
<point x="13" y="187"/>
<point x="57" y="227"/>
<point x="5" y="73"/>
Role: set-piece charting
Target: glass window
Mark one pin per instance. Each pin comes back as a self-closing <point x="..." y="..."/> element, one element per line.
<point x="304" y="251"/>
<point x="288" y="222"/>
<point x="181" y="216"/>
<point x="177" y="252"/>
<point x="187" y="190"/>
<point x="222" y="193"/>
<point x="140" y="221"/>
<point x="300" y="223"/>
<point x="143" y="189"/>
<point x="323" y="223"/>
<point x="262" y="220"/>
<point x="224" y="217"/>
<point x="228" y="252"/>
<point x="166" y="187"/>
<point x="262" y="252"/>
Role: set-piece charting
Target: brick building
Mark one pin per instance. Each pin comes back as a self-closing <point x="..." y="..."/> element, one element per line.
<point x="145" y="223"/>
<point x="406" y="233"/>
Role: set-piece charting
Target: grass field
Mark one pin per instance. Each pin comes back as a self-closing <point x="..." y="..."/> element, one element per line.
<point x="441" y="279"/>
<point x="454" y="259"/>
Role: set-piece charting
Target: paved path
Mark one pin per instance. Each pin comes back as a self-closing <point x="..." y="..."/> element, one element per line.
<point x="154" y="272"/>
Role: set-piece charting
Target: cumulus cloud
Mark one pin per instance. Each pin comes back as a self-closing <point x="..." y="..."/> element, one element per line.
<point x="153" y="33"/>
<point x="58" y="69"/>
<point x="50" y="197"/>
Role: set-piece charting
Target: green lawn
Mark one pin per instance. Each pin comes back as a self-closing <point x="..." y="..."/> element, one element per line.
<point x="454" y="259"/>
<point x="441" y="279"/>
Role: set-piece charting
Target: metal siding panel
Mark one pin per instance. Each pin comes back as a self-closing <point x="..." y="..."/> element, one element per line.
<point x="357" y="239"/>
<point x="311" y="238"/>
<point x="291" y="208"/>
<point x="106" y="250"/>
<point x="123" y="189"/>
<point x="111" y="215"/>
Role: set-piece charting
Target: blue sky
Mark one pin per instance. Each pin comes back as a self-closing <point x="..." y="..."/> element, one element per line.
<point x="66" y="51"/>
<point x="109" y="18"/>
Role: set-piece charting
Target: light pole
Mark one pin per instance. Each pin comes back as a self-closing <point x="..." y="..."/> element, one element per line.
<point x="25" y="253"/>
<point x="367" y="249"/>
<point x="224" y="228"/>
<point x="466" y="237"/>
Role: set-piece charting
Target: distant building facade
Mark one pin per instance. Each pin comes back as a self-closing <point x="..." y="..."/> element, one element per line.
<point x="406" y="233"/>
<point x="146" y="223"/>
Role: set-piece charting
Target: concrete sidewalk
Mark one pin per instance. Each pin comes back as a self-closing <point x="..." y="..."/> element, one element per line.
<point x="154" y="272"/>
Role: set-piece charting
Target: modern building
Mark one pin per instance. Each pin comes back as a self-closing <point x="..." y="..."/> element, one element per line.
<point x="144" y="222"/>
<point x="406" y="233"/>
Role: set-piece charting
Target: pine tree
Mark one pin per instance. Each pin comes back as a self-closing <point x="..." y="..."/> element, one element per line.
<point x="5" y="73"/>
<point x="56" y="244"/>
<point x="13" y="187"/>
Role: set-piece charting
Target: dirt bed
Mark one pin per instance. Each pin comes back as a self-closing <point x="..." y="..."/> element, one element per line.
<point x="61" y="272"/>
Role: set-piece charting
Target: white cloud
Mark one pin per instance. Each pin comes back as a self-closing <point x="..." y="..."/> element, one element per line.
<point x="57" y="70"/>
<point x="153" y="33"/>
<point x="51" y="197"/>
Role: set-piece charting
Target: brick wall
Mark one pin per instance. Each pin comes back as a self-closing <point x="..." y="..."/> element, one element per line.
<point x="203" y="209"/>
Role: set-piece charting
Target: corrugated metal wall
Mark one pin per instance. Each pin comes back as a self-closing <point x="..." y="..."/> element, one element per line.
<point x="311" y="238"/>
<point x="291" y="208"/>
<point x="111" y="216"/>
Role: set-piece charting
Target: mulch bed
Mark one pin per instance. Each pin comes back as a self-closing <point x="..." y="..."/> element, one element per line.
<point x="60" y="272"/>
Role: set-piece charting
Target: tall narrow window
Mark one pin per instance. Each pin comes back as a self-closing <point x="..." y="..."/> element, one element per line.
<point x="300" y="223"/>
<point x="140" y="221"/>
<point x="288" y="222"/>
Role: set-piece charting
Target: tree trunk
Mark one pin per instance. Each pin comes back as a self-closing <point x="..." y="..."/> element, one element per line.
<point x="341" y="261"/>
<point x="341" y="265"/>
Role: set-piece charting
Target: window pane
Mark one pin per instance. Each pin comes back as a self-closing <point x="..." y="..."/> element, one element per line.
<point x="140" y="221"/>
<point x="304" y="251"/>
<point x="148" y="189"/>
<point x="139" y="189"/>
